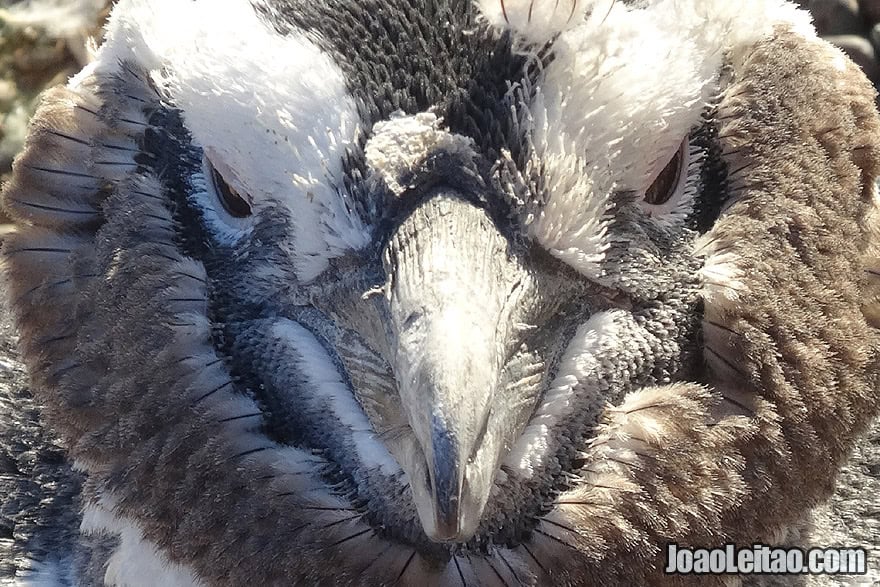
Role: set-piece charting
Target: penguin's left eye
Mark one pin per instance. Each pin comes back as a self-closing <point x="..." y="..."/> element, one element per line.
<point x="669" y="180"/>
<point x="233" y="202"/>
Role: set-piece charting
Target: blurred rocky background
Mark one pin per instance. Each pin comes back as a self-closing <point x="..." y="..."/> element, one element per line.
<point x="42" y="43"/>
<point x="852" y="25"/>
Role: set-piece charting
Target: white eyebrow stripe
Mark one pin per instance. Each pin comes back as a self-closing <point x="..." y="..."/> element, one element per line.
<point x="274" y="108"/>
<point x="622" y="93"/>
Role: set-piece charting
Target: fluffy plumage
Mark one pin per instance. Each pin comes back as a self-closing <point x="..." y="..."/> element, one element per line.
<point x="451" y="341"/>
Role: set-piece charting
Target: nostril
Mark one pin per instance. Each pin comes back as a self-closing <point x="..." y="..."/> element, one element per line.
<point x="484" y="427"/>
<point x="412" y="319"/>
<point x="465" y="486"/>
<point x="429" y="483"/>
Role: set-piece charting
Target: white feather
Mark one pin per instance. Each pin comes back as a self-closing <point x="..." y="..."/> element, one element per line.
<point x="537" y="21"/>
<point x="272" y="107"/>
<point x="620" y="95"/>
<point x="580" y="361"/>
<point x="722" y="277"/>
<point x="136" y="562"/>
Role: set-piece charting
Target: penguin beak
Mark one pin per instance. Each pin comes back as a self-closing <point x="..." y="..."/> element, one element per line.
<point x="450" y="275"/>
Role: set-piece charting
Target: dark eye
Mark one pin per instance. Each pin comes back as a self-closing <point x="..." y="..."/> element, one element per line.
<point x="667" y="182"/>
<point x="232" y="201"/>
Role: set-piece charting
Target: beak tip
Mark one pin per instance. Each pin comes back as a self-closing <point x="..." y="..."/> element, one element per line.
<point x="449" y="510"/>
<point x="446" y="484"/>
<point x="447" y="523"/>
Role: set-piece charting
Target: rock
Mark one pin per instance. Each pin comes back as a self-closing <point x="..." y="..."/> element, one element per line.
<point x="14" y="131"/>
<point x="874" y="36"/>
<point x="870" y="11"/>
<point x="8" y="91"/>
<point x="836" y="17"/>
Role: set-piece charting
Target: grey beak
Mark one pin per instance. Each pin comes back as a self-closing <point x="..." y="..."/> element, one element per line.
<point x="450" y="278"/>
